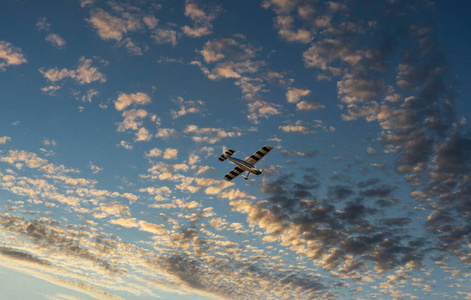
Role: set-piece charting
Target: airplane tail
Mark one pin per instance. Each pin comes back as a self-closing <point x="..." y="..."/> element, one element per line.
<point x="226" y="154"/>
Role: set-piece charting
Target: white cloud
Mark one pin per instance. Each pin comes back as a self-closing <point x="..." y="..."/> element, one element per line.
<point x="227" y="48"/>
<point x="170" y="153"/>
<point x="125" y="145"/>
<point x="95" y="169"/>
<point x="132" y="119"/>
<point x="89" y="95"/>
<point x="150" y="21"/>
<point x="132" y="47"/>
<point x="309" y="105"/>
<point x="125" y="100"/>
<point x="152" y="228"/>
<point x="186" y="107"/>
<point x="286" y="30"/>
<point x="4" y="139"/>
<point x="125" y="222"/>
<point x="165" y="36"/>
<point x="155" y="152"/>
<point x="293" y="95"/>
<point x="165" y="133"/>
<point x="84" y="74"/>
<point x="56" y="40"/>
<point x="263" y="109"/>
<point x="48" y="142"/>
<point x="209" y="135"/>
<point x="10" y="55"/>
<point x="84" y="3"/>
<point x="201" y="20"/>
<point x="111" y="27"/>
<point x="143" y="135"/>
<point x="297" y="128"/>
<point x="42" y="24"/>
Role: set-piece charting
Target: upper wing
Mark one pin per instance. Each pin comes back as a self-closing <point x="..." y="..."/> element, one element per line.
<point x="252" y="159"/>
<point x="233" y="174"/>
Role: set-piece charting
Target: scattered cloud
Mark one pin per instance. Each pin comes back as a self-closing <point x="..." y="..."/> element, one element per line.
<point x="186" y="107"/>
<point x="95" y="169"/>
<point x="170" y="153"/>
<point x="209" y="135"/>
<point x="10" y="55"/>
<point x="84" y="74"/>
<point x="125" y="145"/>
<point x="293" y="95"/>
<point x="125" y="100"/>
<point x="201" y="19"/>
<point x="56" y="41"/>
<point x="309" y="106"/>
<point x="298" y="128"/>
<point x="4" y="139"/>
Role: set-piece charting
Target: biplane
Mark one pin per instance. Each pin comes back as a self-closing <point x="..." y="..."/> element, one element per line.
<point x="246" y="165"/>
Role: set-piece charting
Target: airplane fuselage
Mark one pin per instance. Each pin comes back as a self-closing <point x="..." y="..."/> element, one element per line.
<point x="245" y="166"/>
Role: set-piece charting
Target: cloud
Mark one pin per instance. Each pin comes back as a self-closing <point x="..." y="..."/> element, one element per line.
<point x="285" y="23"/>
<point x="186" y="107"/>
<point x="125" y="145"/>
<point x="309" y="106"/>
<point x="201" y="19"/>
<point x="165" y="36"/>
<point x="19" y="255"/>
<point x="297" y="128"/>
<point x="42" y="24"/>
<point x="111" y="27"/>
<point x="56" y="41"/>
<point x="143" y="135"/>
<point x="84" y="3"/>
<point x="133" y="119"/>
<point x="165" y="133"/>
<point x="125" y="100"/>
<point x="155" y="152"/>
<point x="33" y="161"/>
<point x="170" y="153"/>
<point x="4" y="139"/>
<point x="262" y="109"/>
<point x="293" y="95"/>
<point x="84" y="74"/>
<point x="209" y="135"/>
<point x="10" y="55"/>
<point x="95" y="169"/>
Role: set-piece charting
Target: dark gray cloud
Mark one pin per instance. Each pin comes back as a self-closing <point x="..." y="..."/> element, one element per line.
<point x="51" y="240"/>
<point x="363" y="48"/>
<point x="20" y="255"/>
<point x="349" y="226"/>
<point x="339" y="192"/>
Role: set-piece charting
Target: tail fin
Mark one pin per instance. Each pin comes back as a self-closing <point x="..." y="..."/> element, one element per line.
<point x="226" y="154"/>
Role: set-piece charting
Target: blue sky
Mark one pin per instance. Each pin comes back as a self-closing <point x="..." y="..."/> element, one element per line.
<point x="113" y="115"/>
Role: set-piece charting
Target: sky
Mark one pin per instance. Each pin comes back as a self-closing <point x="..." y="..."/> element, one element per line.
<point x="113" y="115"/>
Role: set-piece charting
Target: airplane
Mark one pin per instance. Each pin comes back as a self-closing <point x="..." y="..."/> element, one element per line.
<point x="246" y="165"/>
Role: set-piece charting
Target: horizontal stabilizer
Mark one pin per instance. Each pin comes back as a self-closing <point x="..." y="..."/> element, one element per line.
<point x="229" y="152"/>
<point x="226" y="154"/>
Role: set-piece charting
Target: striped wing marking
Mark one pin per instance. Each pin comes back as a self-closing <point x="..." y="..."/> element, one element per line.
<point x="254" y="158"/>
<point x="233" y="174"/>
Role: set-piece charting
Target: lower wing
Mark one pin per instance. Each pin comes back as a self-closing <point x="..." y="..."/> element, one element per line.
<point x="233" y="174"/>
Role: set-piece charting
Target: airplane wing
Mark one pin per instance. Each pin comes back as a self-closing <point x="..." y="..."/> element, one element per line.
<point x="252" y="159"/>
<point x="233" y="174"/>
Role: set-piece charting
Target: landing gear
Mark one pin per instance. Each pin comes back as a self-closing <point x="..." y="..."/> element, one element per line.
<point x="246" y="177"/>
